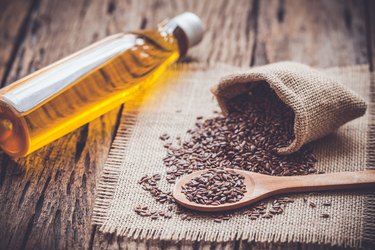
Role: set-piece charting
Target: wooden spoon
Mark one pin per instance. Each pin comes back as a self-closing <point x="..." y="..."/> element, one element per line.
<point x="260" y="186"/>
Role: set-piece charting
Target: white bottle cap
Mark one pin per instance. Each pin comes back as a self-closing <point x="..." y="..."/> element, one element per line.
<point x="192" y="26"/>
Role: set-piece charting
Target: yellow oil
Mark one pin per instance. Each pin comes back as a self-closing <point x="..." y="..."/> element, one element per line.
<point x="88" y="97"/>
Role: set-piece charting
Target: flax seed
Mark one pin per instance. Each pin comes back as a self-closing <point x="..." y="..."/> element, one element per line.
<point x="207" y="188"/>
<point x="246" y="139"/>
<point x="312" y="204"/>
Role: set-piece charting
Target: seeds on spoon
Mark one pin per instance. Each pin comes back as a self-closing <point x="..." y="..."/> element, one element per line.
<point x="215" y="187"/>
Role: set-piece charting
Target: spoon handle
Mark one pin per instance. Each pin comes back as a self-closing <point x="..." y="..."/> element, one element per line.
<point x="330" y="181"/>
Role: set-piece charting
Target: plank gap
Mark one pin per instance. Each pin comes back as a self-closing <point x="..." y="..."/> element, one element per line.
<point x="252" y="18"/>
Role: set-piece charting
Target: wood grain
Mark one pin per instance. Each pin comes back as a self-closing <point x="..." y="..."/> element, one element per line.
<point x="46" y="199"/>
<point x="318" y="33"/>
<point x="13" y="17"/>
<point x="370" y="31"/>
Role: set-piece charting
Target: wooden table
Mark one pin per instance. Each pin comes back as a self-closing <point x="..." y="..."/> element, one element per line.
<point x="46" y="199"/>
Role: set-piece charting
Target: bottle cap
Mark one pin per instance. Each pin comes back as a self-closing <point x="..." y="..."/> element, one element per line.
<point x="192" y="26"/>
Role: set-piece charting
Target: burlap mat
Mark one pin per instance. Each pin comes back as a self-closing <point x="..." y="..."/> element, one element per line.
<point x="172" y="106"/>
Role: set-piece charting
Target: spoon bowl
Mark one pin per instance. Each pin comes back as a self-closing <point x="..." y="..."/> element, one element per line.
<point x="260" y="186"/>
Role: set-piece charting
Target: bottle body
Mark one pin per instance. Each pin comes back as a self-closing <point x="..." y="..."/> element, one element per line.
<point x="52" y="102"/>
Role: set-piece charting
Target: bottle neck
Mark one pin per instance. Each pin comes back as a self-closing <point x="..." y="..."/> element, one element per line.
<point x="172" y="28"/>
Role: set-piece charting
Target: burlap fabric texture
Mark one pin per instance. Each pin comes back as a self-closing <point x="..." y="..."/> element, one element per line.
<point x="172" y="106"/>
<point x="320" y="104"/>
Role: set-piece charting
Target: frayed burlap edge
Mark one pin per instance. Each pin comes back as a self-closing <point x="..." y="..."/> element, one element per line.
<point x="369" y="206"/>
<point x="111" y="170"/>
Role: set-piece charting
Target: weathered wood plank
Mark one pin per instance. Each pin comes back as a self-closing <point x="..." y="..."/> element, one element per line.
<point x="52" y="191"/>
<point x="13" y="19"/>
<point x="370" y="32"/>
<point x="319" y="33"/>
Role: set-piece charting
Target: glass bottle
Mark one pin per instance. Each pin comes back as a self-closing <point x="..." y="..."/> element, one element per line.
<point x="61" y="97"/>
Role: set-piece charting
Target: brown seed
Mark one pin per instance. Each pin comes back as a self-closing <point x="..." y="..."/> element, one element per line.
<point x="154" y="217"/>
<point x="184" y="217"/>
<point x="327" y="204"/>
<point x="226" y="217"/>
<point x="312" y="204"/>
<point x="212" y="187"/>
<point x="246" y="139"/>
<point x="267" y="216"/>
<point x="168" y="215"/>
<point x="325" y="216"/>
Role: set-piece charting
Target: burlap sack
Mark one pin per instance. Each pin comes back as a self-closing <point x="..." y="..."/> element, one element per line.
<point x="320" y="104"/>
